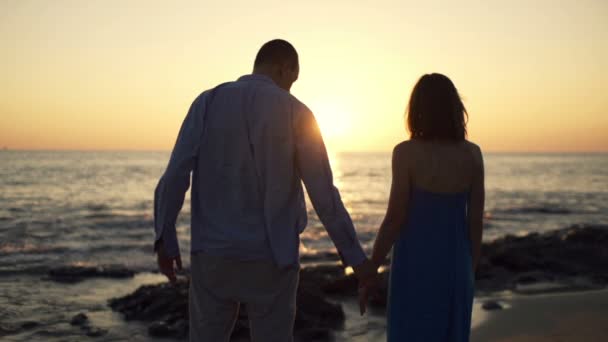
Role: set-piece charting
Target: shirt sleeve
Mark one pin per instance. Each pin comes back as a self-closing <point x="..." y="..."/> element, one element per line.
<point x="172" y="186"/>
<point x="314" y="168"/>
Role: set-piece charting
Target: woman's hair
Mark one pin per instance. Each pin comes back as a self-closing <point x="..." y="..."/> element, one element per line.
<point x="436" y="111"/>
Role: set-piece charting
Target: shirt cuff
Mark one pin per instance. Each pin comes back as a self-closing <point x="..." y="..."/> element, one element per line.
<point x="169" y="242"/>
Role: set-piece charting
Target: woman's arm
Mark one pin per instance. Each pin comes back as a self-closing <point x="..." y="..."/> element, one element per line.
<point x="476" y="207"/>
<point x="397" y="206"/>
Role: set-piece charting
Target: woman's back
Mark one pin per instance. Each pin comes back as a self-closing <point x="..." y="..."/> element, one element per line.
<point x="442" y="167"/>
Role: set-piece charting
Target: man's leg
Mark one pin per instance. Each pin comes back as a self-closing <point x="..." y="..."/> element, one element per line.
<point x="272" y="317"/>
<point x="212" y="318"/>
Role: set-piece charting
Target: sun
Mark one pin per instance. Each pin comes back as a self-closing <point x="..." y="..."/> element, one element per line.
<point x="334" y="120"/>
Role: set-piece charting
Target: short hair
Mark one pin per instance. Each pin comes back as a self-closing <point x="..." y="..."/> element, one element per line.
<point x="435" y="110"/>
<point x="276" y="52"/>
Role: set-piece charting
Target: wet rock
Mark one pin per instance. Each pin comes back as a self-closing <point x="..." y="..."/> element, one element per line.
<point x="79" y="319"/>
<point x="8" y="329"/>
<point x="166" y="306"/>
<point x="74" y="274"/>
<point x="82" y="320"/>
<point x="555" y="256"/>
<point x="491" y="305"/>
<point x="95" y="332"/>
<point x="313" y="310"/>
<point x="155" y="302"/>
<point x="27" y="325"/>
<point x="343" y="285"/>
<point x="160" y="329"/>
<point x="533" y="277"/>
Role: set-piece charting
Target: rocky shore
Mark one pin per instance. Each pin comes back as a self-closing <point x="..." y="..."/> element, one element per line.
<point x="570" y="259"/>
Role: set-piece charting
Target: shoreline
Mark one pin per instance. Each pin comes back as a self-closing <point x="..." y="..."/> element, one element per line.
<point x="555" y="315"/>
<point x="544" y="277"/>
<point x="569" y="316"/>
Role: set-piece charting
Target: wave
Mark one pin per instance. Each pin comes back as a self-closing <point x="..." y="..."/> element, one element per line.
<point x="97" y="207"/>
<point x="29" y="248"/>
<point x="551" y="210"/>
<point x="44" y="270"/>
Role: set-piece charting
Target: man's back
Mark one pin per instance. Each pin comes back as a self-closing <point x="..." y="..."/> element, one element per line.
<point x="250" y="144"/>
<point x="246" y="123"/>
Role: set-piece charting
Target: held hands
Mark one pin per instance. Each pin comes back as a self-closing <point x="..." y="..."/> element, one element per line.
<point x="367" y="273"/>
<point x="168" y="265"/>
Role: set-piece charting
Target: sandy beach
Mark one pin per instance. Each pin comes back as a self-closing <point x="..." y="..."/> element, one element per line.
<point x="555" y="317"/>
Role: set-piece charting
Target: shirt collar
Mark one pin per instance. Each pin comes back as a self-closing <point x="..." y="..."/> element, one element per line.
<point x="256" y="77"/>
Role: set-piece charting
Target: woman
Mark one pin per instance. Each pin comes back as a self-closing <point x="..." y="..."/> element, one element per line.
<point x="434" y="220"/>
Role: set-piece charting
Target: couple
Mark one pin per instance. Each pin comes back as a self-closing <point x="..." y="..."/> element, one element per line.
<point x="250" y="144"/>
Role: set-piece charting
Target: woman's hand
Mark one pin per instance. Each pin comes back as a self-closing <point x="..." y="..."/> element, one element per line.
<point x="365" y="290"/>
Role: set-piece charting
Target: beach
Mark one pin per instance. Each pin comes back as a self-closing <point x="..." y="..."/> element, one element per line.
<point x="553" y="317"/>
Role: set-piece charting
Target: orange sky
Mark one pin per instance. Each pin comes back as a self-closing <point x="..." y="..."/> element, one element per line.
<point x="121" y="75"/>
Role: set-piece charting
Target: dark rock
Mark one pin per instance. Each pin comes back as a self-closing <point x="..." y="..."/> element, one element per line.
<point x="8" y="329"/>
<point x="316" y="278"/>
<point x="29" y="325"/>
<point x="155" y="302"/>
<point x="161" y="329"/>
<point x="96" y="332"/>
<point x="313" y="310"/>
<point x="181" y="328"/>
<point x="533" y="277"/>
<point x="79" y="319"/>
<point x="343" y="285"/>
<point x="73" y="274"/>
<point x="324" y="257"/>
<point x="491" y="305"/>
<point x="166" y="305"/>
<point x="586" y="235"/>
<point x="555" y="256"/>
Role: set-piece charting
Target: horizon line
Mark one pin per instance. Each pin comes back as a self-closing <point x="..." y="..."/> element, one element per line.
<point x="6" y="149"/>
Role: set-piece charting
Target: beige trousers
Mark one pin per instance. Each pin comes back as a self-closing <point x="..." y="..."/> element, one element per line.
<point x="219" y="285"/>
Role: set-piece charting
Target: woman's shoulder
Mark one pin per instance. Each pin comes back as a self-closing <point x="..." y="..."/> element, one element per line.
<point x="406" y="150"/>
<point x="476" y="153"/>
<point x="473" y="147"/>
<point x="406" y="146"/>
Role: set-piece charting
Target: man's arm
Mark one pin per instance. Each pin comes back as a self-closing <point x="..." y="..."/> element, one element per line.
<point x="171" y="189"/>
<point x="314" y="168"/>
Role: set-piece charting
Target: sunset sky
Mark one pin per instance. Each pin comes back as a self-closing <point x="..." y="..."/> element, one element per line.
<point x="120" y="75"/>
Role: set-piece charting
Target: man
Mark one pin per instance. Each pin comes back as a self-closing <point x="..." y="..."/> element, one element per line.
<point x="249" y="145"/>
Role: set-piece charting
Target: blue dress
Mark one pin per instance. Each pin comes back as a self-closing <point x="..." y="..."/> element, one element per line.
<point x="431" y="281"/>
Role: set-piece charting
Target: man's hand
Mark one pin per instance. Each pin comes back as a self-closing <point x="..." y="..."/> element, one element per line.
<point x="167" y="265"/>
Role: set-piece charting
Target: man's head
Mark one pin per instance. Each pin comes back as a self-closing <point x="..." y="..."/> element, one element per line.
<point x="278" y="59"/>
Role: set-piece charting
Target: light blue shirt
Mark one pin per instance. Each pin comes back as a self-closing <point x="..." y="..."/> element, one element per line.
<point x="249" y="145"/>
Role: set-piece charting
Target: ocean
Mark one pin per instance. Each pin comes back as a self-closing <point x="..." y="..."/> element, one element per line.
<point x="93" y="208"/>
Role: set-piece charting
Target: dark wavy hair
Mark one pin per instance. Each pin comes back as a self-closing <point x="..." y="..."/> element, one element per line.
<point x="435" y="110"/>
